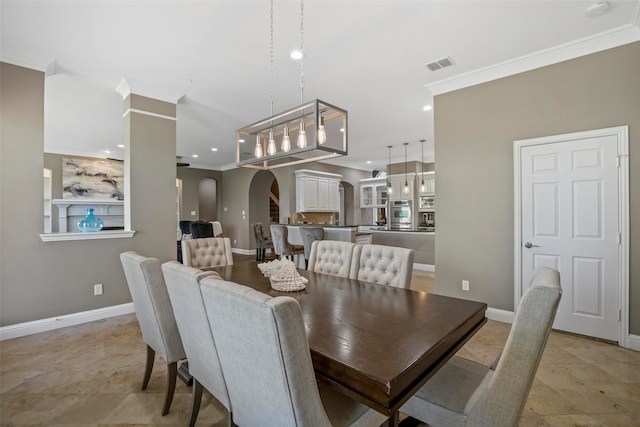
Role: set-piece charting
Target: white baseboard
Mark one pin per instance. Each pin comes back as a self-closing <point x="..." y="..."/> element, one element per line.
<point x="43" y="325"/>
<point x="633" y="342"/>
<point x="243" y="251"/>
<point x="498" y="315"/>
<point x="424" y="267"/>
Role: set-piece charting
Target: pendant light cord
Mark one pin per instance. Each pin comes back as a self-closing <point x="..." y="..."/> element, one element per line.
<point x="271" y="55"/>
<point x="302" y="51"/>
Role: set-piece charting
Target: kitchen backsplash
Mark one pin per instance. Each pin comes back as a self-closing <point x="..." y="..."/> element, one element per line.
<point x="322" y="218"/>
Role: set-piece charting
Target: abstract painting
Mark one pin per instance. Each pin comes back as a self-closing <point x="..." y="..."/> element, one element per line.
<point x="92" y="179"/>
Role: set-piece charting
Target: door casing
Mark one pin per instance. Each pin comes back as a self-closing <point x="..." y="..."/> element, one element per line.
<point x="622" y="134"/>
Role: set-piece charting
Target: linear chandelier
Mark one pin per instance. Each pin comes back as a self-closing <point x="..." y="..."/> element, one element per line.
<point x="319" y="128"/>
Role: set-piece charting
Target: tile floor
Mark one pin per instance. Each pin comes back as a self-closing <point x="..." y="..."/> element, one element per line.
<point x="89" y="375"/>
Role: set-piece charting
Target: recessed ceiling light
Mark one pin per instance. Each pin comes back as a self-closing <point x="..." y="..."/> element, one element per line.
<point x="120" y="145"/>
<point x="368" y="162"/>
<point x="107" y="151"/>
<point x="296" y="54"/>
<point x="214" y="149"/>
<point x="241" y="141"/>
<point x="427" y="108"/>
<point x="195" y="155"/>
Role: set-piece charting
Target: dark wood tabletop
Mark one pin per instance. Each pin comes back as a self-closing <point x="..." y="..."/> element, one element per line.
<point x="374" y="343"/>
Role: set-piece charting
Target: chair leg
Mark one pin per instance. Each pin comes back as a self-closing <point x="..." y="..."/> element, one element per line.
<point x="196" y="399"/>
<point x="306" y="263"/>
<point x="257" y="254"/>
<point x="172" y="373"/>
<point x="151" y="354"/>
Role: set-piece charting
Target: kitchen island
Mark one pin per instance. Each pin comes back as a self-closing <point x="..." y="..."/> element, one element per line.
<point x="331" y="232"/>
<point x="422" y="242"/>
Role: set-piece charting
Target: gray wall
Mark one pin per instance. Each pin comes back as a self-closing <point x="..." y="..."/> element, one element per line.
<point x="40" y="280"/>
<point x="191" y="178"/>
<point x="474" y="133"/>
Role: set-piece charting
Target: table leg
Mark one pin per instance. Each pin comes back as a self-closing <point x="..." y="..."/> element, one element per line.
<point x="394" y="420"/>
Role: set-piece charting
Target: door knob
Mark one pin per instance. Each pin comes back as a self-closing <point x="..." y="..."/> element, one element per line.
<point x="529" y="245"/>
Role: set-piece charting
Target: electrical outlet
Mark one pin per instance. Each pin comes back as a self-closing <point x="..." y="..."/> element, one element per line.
<point x="465" y="285"/>
<point x="234" y="241"/>
<point x="97" y="289"/>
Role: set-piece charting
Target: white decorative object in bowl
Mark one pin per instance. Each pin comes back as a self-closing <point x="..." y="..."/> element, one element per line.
<point x="283" y="275"/>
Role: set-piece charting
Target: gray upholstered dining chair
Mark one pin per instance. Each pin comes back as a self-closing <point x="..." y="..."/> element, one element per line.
<point x="265" y="357"/>
<point x="281" y="245"/>
<point x="310" y="235"/>
<point x="183" y="284"/>
<point x="209" y="252"/>
<point x="331" y="257"/>
<point x="155" y="316"/>
<point x="385" y="265"/>
<point x="262" y="240"/>
<point x="465" y="393"/>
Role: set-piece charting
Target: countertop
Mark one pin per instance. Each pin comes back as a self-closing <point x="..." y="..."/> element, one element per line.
<point x="320" y="225"/>
<point x="401" y="230"/>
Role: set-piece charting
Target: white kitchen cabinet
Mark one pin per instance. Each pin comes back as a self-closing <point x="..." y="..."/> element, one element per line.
<point x="317" y="191"/>
<point x="429" y="183"/>
<point x="373" y="193"/>
<point x="397" y="184"/>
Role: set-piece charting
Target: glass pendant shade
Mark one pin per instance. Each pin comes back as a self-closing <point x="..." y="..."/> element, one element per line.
<point x="257" y="152"/>
<point x="322" y="133"/>
<point x="422" y="188"/>
<point x="271" y="146"/>
<point x="286" y="141"/>
<point x="406" y="187"/>
<point x="302" y="136"/>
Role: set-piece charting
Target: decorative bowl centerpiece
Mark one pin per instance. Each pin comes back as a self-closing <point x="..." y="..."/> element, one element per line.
<point x="283" y="275"/>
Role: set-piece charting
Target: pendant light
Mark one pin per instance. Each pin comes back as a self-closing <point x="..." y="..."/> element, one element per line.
<point x="389" y="187"/>
<point x="271" y="145"/>
<point x="302" y="135"/>
<point x="406" y="181"/>
<point x="322" y="133"/>
<point x="422" y="167"/>
<point x="257" y="152"/>
<point x="322" y="118"/>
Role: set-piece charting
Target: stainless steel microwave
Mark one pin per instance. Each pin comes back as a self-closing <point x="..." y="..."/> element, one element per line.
<point x="427" y="203"/>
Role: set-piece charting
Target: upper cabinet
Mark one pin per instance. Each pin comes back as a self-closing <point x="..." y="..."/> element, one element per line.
<point x="317" y="191"/>
<point x="429" y="184"/>
<point x="373" y="193"/>
<point x="397" y="185"/>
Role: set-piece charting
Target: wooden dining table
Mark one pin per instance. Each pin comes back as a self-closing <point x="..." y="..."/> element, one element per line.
<point x="376" y="344"/>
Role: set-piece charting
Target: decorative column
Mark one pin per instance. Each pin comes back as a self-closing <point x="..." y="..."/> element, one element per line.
<point x="150" y="157"/>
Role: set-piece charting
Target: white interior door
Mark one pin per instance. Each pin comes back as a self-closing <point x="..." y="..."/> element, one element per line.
<point x="570" y="220"/>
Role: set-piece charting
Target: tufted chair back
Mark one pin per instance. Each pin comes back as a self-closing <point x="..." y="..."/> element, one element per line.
<point x="209" y="252"/>
<point x="331" y="257"/>
<point x="385" y="265"/>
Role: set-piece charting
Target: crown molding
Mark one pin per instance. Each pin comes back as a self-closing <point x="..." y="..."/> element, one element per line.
<point x="125" y="89"/>
<point x="606" y="40"/>
<point x="28" y="60"/>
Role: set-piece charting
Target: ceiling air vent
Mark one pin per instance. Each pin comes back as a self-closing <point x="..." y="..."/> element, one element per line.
<point x="440" y="63"/>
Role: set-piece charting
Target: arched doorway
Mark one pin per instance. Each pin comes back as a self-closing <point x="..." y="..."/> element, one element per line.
<point x="264" y="199"/>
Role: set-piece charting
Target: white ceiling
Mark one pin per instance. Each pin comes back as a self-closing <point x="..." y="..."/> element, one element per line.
<point x="365" y="56"/>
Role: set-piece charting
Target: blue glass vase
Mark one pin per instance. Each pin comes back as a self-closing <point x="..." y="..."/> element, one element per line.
<point x="90" y="223"/>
